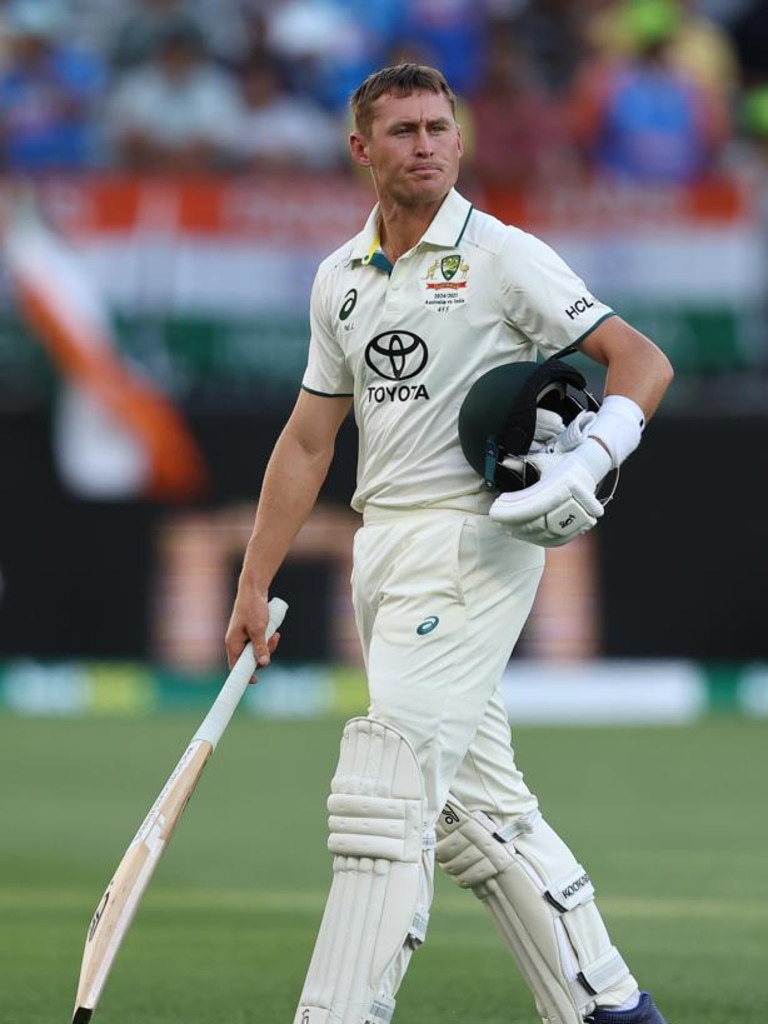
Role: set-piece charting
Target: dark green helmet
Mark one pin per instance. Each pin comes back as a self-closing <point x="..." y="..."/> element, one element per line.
<point x="498" y="415"/>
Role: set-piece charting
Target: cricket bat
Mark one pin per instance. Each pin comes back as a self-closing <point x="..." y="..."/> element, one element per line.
<point x="117" y="906"/>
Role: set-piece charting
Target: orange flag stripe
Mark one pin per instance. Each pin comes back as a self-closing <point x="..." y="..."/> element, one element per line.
<point x="177" y="468"/>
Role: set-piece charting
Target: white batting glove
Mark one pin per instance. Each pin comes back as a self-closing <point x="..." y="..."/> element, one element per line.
<point x="563" y="504"/>
<point x="552" y="441"/>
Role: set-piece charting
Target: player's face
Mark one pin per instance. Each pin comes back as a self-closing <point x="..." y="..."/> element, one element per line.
<point x="413" y="148"/>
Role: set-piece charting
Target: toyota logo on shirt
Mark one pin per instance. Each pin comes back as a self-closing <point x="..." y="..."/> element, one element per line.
<point x="397" y="355"/>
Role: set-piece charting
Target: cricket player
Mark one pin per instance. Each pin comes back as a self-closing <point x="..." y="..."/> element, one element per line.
<point x="405" y="317"/>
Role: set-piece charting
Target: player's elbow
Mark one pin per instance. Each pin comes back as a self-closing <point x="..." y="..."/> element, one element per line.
<point x="665" y="372"/>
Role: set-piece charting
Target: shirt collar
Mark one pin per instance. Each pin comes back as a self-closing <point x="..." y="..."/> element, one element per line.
<point x="445" y="231"/>
<point x="449" y="222"/>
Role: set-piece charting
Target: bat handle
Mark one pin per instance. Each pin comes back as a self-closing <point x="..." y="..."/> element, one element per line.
<point x="222" y="709"/>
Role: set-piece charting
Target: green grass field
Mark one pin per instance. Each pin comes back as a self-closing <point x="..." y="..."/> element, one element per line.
<point x="670" y="822"/>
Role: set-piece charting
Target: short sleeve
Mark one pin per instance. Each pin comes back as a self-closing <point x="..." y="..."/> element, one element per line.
<point x="545" y="298"/>
<point x="327" y="372"/>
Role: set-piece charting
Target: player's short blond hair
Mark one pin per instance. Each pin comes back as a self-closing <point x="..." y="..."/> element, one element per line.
<point x="400" y="80"/>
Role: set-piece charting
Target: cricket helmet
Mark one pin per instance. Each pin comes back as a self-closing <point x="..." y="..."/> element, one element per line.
<point x="497" y="418"/>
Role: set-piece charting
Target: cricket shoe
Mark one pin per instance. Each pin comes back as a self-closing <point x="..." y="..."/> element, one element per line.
<point x="646" y="1012"/>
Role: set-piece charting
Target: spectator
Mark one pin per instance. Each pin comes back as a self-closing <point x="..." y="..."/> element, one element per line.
<point x="136" y="36"/>
<point x="518" y="127"/>
<point x="138" y="24"/>
<point x="749" y="32"/>
<point x="454" y="32"/>
<point x="754" y="116"/>
<point x="641" y="118"/>
<point x="551" y="33"/>
<point x="700" y="47"/>
<point x="281" y="130"/>
<point x="49" y="93"/>
<point x="332" y="44"/>
<point x="179" y="113"/>
<point x="748" y="153"/>
<point x="91" y="24"/>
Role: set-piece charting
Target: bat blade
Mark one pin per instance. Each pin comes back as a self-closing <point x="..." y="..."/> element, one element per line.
<point x="117" y="907"/>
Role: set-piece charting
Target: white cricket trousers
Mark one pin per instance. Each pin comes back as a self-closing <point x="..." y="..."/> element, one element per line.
<point x="440" y="599"/>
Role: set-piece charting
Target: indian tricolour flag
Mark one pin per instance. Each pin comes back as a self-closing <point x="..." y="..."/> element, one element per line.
<point x="117" y="435"/>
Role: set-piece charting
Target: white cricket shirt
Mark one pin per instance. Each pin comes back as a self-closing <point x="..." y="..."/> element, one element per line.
<point x="407" y="341"/>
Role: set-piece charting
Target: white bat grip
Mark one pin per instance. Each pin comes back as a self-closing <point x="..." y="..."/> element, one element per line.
<point x="222" y="709"/>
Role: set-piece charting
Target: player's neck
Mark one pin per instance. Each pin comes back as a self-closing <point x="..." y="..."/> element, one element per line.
<point x="401" y="227"/>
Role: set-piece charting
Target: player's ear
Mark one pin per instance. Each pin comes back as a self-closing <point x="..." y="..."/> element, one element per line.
<point x="459" y="140"/>
<point x="358" y="147"/>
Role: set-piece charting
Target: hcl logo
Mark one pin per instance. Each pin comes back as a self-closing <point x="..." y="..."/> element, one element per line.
<point x="580" y="306"/>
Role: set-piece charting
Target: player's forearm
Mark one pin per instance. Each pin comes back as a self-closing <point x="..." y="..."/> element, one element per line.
<point x="644" y="377"/>
<point x="291" y="484"/>
<point x="636" y="367"/>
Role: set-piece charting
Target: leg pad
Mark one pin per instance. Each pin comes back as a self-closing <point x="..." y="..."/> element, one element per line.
<point x="542" y="901"/>
<point x="378" y="906"/>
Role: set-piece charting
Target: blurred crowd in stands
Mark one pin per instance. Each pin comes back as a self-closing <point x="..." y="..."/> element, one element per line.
<point x="666" y="91"/>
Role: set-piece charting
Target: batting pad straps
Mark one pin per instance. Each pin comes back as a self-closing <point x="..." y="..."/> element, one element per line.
<point x="378" y="906"/>
<point x="573" y="890"/>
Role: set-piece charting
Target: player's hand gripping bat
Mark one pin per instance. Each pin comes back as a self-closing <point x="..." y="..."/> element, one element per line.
<point x="117" y="906"/>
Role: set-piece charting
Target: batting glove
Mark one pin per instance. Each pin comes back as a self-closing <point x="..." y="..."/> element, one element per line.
<point x="563" y="504"/>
